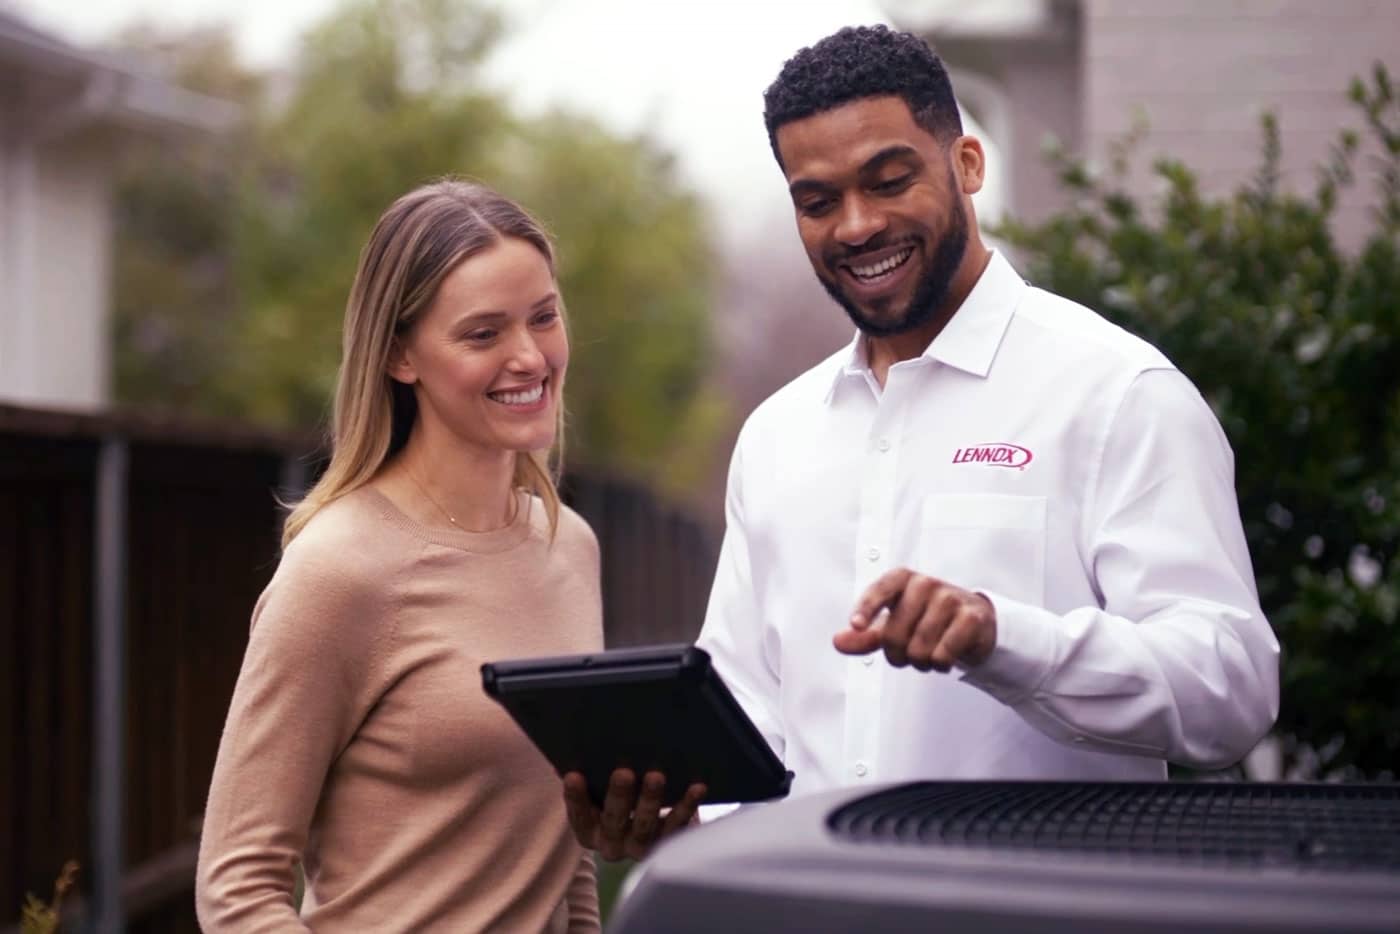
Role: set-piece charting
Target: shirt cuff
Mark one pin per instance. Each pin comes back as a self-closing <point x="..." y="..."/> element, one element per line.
<point x="1024" y="652"/>
<point x="713" y="812"/>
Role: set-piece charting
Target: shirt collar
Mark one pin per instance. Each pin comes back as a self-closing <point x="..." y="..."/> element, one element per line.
<point x="970" y="339"/>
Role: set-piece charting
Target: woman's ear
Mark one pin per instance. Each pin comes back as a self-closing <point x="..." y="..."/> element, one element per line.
<point x="399" y="366"/>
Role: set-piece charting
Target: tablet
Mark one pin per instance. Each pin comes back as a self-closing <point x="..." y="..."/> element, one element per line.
<point x="661" y="707"/>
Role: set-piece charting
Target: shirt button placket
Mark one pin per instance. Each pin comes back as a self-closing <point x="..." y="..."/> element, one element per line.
<point x="873" y="553"/>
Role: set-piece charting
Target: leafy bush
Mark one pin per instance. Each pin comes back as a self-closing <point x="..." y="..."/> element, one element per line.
<point x="1295" y="341"/>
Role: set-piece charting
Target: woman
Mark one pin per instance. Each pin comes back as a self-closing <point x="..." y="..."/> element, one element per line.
<point x="359" y="741"/>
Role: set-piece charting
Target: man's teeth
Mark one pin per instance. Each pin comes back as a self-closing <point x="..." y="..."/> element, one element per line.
<point x="520" y="398"/>
<point x="882" y="267"/>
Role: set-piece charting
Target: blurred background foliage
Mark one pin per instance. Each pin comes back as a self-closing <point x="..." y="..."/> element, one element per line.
<point x="1296" y="344"/>
<point x="235" y="256"/>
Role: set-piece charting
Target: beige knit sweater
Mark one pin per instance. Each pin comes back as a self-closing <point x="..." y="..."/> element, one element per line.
<point x="359" y="740"/>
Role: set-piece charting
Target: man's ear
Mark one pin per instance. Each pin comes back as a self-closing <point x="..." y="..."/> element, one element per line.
<point x="399" y="366"/>
<point x="969" y="164"/>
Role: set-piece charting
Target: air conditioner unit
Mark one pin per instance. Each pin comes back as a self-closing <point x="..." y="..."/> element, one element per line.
<point x="996" y="857"/>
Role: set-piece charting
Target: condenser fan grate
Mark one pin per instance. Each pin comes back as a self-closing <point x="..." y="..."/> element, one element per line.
<point x="1311" y="827"/>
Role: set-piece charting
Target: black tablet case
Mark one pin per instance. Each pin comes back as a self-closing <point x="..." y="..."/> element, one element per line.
<point x="661" y="707"/>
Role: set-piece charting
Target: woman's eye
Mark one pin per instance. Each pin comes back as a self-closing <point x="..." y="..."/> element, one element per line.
<point x="481" y="335"/>
<point x="546" y="318"/>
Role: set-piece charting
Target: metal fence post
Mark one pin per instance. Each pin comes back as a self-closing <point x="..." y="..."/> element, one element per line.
<point x="109" y="623"/>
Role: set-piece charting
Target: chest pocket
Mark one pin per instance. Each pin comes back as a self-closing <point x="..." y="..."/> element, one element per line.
<point x="985" y="541"/>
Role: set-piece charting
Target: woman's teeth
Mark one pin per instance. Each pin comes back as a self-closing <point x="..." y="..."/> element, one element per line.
<point x="882" y="267"/>
<point x="525" y="397"/>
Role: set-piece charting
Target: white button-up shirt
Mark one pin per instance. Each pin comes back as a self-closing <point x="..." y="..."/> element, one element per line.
<point x="1046" y="458"/>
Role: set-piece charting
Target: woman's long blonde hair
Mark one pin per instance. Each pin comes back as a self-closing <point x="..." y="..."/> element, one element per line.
<point x="416" y="243"/>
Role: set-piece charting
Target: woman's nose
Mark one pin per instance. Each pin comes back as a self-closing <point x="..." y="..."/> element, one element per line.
<point x="525" y="354"/>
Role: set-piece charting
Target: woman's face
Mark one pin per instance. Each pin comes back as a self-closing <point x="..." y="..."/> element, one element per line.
<point x="486" y="360"/>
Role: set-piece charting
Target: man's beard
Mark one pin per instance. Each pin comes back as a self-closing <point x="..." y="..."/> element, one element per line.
<point x="930" y="294"/>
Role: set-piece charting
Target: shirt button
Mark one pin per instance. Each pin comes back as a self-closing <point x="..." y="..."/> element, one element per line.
<point x="861" y="770"/>
<point x="873" y="554"/>
<point x="884" y="444"/>
<point x="868" y="660"/>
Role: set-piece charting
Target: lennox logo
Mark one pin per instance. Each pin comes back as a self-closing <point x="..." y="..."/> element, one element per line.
<point x="994" y="455"/>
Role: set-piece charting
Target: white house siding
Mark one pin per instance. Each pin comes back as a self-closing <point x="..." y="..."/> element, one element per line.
<point x="1202" y="72"/>
<point x="64" y="116"/>
<point x="54" y="272"/>
<point x="9" y="317"/>
<point x="72" y="269"/>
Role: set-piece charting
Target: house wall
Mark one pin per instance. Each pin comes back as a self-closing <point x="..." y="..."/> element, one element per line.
<point x="1202" y="72"/>
<point x="55" y="270"/>
<point x="72" y="273"/>
<point x="10" y="338"/>
<point x="1045" y="94"/>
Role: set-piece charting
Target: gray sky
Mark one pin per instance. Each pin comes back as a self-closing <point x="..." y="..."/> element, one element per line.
<point x="703" y="64"/>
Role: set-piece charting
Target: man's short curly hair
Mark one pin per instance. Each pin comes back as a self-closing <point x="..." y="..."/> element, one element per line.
<point x="858" y="62"/>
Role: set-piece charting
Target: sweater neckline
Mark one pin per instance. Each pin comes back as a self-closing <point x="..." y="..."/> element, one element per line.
<point x="490" y="542"/>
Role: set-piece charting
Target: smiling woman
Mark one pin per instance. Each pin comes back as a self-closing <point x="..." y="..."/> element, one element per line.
<point x="485" y="363"/>
<point x="434" y="541"/>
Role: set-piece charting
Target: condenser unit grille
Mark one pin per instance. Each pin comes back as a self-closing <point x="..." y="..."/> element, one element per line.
<point x="1314" y="827"/>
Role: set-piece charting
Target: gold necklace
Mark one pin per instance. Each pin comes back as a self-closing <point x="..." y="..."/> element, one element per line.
<point x="510" y="520"/>
<point x="424" y="490"/>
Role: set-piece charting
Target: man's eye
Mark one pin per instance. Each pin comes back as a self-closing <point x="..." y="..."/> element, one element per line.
<point x="815" y="207"/>
<point x="893" y="185"/>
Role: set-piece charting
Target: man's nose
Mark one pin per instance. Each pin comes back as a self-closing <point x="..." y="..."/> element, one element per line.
<point x="859" y="221"/>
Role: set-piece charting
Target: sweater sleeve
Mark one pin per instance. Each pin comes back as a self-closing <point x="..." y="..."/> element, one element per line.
<point x="303" y="688"/>
<point x="584" y="916"/>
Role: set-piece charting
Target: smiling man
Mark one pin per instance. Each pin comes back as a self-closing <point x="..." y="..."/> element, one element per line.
<point x="995" y="536"/>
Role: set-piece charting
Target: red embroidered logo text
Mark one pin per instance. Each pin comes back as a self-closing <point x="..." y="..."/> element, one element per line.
<point x="994" y="455"/>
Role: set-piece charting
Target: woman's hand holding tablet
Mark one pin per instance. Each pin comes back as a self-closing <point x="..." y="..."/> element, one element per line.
<point x="634" y="732"/>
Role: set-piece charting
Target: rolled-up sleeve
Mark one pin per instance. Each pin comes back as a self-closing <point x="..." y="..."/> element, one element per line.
<point x="1177" y="661"/>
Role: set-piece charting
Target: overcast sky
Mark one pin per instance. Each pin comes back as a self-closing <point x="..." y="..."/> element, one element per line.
<point x="691" y="74"/>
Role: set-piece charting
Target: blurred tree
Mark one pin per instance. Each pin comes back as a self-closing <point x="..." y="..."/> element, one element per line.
<point x="1296" y="344"/>
<point x="384" y="95"/>
<point x="174" y="308"/>
<point x="380" y="100"/>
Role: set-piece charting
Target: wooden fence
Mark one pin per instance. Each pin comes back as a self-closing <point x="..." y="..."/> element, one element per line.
<point x="200" y="541"/>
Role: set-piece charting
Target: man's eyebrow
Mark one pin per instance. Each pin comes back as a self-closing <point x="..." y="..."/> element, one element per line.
<point x="804" y="185"/>
<point x="888" y="154"/>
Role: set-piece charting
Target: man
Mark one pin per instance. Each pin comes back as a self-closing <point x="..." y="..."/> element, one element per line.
<point x="994" y="537"/>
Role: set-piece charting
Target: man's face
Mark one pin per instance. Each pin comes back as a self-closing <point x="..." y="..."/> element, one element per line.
<point x="879" y="211"/>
